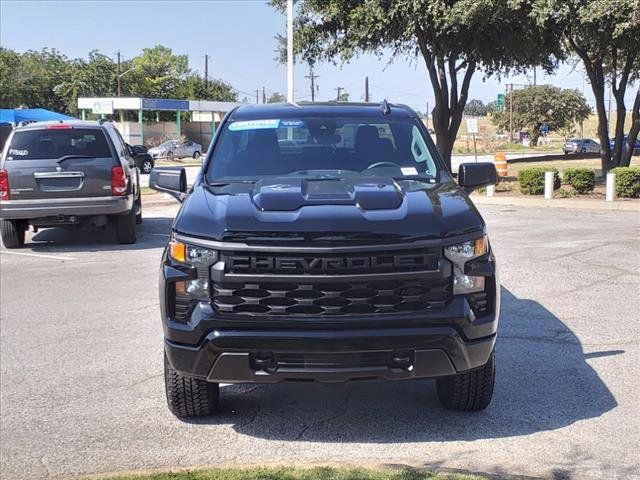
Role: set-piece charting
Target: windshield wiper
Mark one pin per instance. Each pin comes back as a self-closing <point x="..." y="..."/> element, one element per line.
<point x="67" y="157"/>
<point x="419" y="178"/>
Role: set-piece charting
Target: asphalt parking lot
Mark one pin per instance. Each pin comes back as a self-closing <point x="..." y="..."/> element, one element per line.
<point x="81" y="366"/>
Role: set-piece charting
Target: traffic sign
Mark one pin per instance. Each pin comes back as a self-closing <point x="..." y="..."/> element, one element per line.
<point x="472" y="125"/>
<point x="500" y="100"/>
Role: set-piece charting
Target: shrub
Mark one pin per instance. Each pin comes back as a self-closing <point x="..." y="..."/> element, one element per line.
<point x="531" y="180"/>
<point x="582" y="179"/>
<point x="565" y="193"/>
<point x="627" y="181"/>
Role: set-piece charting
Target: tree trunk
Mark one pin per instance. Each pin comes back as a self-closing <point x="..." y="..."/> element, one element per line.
<point x="621" y="113"/>
<point x="629" y="145"/>
<point x="449" y="99"/>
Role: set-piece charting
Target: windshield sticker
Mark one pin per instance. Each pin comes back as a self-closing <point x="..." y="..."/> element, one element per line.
<point x="292" y="123"/>
<point x="254" y="124"/>
<point x="408" y="171"/>
<point x="20" y="153"/>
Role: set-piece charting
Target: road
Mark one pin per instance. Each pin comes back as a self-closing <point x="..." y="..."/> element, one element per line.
<point x="456" y="160"/>
<point x="81" y="367"/>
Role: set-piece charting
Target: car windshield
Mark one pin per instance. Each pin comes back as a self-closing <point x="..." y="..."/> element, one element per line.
<point x="55" y="143"/>
<point x="312" y="147"/>
<point x="167" y="144"/>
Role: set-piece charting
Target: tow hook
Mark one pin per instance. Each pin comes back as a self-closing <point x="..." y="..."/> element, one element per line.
<point x="264" y="361"/>
<point x="403" y="360"/>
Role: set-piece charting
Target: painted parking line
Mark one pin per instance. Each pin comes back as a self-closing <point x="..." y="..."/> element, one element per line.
<point x="38" y="255"/>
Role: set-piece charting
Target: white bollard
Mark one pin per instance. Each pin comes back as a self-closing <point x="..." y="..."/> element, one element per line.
<point x="611" y="187"/>
<point x="491" y="190"/>
<point x="548" y="185"/>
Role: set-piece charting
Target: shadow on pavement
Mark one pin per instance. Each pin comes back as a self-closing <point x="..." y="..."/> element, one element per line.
<point x="543" y="383"/>
<point x="152" y="233"/>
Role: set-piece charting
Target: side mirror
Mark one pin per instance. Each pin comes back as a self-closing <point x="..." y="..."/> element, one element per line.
<point x="475" y="175"/>
<point x="171" y="180"/>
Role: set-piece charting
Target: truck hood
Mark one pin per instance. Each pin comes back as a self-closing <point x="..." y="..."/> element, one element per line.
<point x="345" y="210"/>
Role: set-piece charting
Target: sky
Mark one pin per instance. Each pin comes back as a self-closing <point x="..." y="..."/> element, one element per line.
<point x="238" y="36"/>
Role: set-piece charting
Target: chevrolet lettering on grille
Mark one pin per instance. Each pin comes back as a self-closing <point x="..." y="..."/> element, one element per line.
<point x="257" y="263"/>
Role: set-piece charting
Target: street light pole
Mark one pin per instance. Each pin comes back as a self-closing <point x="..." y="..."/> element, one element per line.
<point x="290" y="51"/>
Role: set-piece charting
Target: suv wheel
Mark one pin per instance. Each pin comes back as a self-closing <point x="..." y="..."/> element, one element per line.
<point x="196" y="155"/>
<point x="147" y="166"/>
<point x="126" y="226"/>
<point x="469" y="391"/>
<point x="189" y="397"/>
<point x="13" y="233"/>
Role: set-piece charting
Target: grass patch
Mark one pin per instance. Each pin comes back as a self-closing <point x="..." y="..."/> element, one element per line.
<point x="147" y="191"/>
<point x="286" y="473"/>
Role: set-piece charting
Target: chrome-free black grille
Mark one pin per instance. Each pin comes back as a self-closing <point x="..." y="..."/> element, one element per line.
<point x="339" y="298"/>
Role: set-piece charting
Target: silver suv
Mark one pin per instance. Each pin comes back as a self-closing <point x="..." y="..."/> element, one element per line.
<point x="68" y="173"/>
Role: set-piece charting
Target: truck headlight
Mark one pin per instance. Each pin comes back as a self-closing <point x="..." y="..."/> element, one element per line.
<point x="199" y="257"/>
<point x="459" y="255"/>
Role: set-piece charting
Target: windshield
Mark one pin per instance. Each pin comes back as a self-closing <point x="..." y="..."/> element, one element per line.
<point x="249" y="150"/>
<point x="55" y="143"/>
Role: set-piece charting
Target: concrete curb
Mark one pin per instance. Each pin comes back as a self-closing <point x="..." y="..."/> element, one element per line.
<point x="586" y="204"/>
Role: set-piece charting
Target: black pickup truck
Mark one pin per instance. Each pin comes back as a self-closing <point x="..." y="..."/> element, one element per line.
<point x="327" y="242"/>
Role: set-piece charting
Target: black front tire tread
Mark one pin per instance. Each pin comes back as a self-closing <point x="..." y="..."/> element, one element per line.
<point x="126" y="227"/>
<point x="468" y="391"/>
<point x="12" y="233"/>
<point x="189" y="397"/>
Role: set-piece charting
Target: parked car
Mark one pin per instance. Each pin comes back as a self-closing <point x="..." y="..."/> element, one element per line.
<point x="173" y="149"/>
<point x="353" y="256"/>
<point x="144" y="161"/>
<point x="581" y="145"/>
<point x="67" y="173"/>
<point x="636" y="147"/>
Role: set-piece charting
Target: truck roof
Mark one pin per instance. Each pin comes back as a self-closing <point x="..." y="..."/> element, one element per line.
<point x="321" y="109"/>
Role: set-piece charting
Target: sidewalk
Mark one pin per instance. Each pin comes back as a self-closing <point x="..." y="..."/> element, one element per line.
<point x="572" y="203"/>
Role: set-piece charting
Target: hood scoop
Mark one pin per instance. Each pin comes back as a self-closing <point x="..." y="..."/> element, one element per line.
<point x="283" y="194"/>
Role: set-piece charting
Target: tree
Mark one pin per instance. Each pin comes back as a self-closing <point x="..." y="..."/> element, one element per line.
<point x="93" y="78"/>
<point x="559" y="108"/>
<point x="276" y="97"/>
<point x="9" y="88"/>
<point x="604" y="35"/>
<point x="157" y="73"/>
<point x="343" y="97"/>
<point x="475" y="108"/>
<point x="194" y="86"/>
<point x="454" y="38"/>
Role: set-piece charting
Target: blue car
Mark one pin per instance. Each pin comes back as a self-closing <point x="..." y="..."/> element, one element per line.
<point x="636" y="147"/>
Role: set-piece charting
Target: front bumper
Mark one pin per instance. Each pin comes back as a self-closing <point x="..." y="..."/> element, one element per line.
<point x="52" y="207"/>
<point x="391" y="347"/>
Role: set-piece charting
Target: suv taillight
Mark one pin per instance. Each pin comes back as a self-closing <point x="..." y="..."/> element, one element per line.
<point x="118" y="181"/>
<point x="4" y="185"/>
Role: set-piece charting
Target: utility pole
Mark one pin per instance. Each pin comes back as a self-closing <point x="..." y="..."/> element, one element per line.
<point x="206" y="71"/>
<point x="264" y="96"/>
<point x="534" y="76"/>
<point x="257" y="95"/>
<point x="312" y="77"/>
<point x="119" y="85"/>
<point x="511" y="113"/>
<point x="366" y="89"/>
<point x="339" y="90"/>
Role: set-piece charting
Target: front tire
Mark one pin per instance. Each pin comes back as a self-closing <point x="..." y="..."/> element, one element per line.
<point x="189" y="397"/>
<point x="126" y="227"/>
<point x="196" y="155"/>
<point x="468" y="391"/>
<point x="13" y="233"/>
